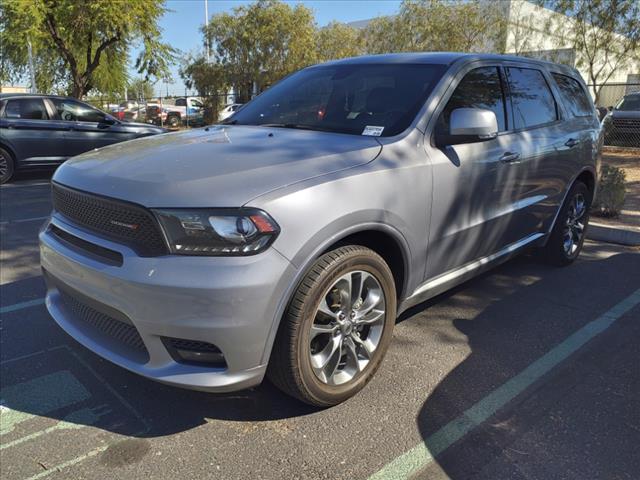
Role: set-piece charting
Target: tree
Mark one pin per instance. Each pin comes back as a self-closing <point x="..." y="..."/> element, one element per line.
<point x="82" y="44"/>
<point x="140" y="89"/>
<point x="605" y="35"/>
<point x="337" y="40"/>
<point x="436" y="25"/>
<point x="262" y="42"/>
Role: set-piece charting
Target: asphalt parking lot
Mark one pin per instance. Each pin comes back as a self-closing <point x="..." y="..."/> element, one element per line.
<point x="527" y="372"/>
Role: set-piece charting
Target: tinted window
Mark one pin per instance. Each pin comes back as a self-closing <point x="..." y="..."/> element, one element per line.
<point x="26" y="108"/>
<point x="574" y="96"/>
<point x="345" y="98"/>
<point x="480" y="88"/>
<point x="72" y="110"/>
<point x="532" y="100"/>
<point x="181" y="102"/>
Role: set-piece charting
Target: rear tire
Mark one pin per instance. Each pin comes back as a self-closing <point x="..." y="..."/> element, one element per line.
<point x="173" y="121"/>
<point x="6" y="166"/>
<point x="337" y="328"/>
<point x="568" y="234"/>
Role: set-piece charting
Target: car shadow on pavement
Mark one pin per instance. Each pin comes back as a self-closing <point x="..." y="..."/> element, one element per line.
<point x="518" y="324"/>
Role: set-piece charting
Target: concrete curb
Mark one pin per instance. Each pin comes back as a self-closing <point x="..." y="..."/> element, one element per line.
<point x="606" y="233"/>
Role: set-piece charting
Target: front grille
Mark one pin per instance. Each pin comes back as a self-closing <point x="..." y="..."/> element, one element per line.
<point x="120" y="221"/>
<point x="95" y="322"/>
<point x="626" y="122"/>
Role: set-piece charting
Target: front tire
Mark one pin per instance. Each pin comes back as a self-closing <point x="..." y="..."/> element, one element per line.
<point x="337" y="327"/>
<point x="568" y="234"/>
<point x="6" y="166"/>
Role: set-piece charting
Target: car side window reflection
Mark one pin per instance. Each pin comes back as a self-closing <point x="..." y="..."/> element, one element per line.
<point x="72" y="111"/>
<point x="26" y="108"/>
<point x="480" y="88"/>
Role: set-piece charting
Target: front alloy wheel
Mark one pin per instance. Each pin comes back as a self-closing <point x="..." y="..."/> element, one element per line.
<point x="337" y="328"/>
<point x="6" y="166"/>
<point x="347" y="327"/>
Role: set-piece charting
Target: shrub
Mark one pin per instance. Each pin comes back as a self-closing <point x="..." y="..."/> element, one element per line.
<point x="611" y="191"/>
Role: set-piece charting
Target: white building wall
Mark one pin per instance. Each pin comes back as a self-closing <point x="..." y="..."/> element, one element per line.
<point x="528" y="34"/>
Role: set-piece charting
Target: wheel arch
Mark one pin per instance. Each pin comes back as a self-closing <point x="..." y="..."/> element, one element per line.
<point x="8" y="148"/>
<point x="383" y="239"/>
<point x="588" y="176"/>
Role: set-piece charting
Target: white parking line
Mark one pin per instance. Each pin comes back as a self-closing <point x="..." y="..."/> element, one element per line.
<point x="21" y="305"/>
<point x="21" y="185"/>
<point x="424" y="453"/>
<point x="24" y="220"/>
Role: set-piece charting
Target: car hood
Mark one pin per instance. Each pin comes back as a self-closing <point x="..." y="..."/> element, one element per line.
<point x="221" y="166"/>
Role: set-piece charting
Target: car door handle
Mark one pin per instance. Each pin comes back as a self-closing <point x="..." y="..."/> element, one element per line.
<point x="572" y="142"/>
<point x="509" y="157"/>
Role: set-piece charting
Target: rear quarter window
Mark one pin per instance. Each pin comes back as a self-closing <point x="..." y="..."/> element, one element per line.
<point x="573" y="96"/>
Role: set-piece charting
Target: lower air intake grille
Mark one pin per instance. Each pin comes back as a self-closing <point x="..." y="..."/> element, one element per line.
<point x="99" y="323"/>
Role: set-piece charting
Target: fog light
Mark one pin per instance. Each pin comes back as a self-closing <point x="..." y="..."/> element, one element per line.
<point x="194" y="352"/>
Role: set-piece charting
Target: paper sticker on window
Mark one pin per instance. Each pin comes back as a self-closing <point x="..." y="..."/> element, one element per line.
<point x="372" y="131"/>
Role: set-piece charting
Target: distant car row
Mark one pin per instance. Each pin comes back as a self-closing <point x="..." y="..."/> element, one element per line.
<point x="172" y="113"/>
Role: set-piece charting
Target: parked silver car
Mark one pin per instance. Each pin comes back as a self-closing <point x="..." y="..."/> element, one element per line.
<point x="287" y="241"/>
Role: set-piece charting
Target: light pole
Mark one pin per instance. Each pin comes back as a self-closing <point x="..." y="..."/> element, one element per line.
<point x="206" y="24"/>
<point x="32" y="72"/>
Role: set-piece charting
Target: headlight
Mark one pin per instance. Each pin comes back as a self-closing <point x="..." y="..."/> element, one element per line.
<point x="218" y="232"/>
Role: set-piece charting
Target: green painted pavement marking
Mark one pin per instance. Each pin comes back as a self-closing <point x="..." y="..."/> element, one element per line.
<point x="70" y="463"/>
<point x="73" y="421"/>
<point x="23" y="401"/>
<point x="21" y="305"/>
<point x="420" y="456"/>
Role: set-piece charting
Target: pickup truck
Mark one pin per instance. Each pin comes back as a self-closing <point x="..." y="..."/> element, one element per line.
<point x="183" y="110"/>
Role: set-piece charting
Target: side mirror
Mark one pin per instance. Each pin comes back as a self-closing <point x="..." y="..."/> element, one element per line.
<point x="472" y="125"/>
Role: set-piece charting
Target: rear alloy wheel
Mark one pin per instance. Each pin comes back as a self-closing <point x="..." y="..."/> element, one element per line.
<point x="337" y="328"/>
<point x="567" y="237"/>
<point x="6" y="166"/>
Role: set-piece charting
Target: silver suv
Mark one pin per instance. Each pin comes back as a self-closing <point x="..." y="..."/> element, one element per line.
<point x="286" y="241"/>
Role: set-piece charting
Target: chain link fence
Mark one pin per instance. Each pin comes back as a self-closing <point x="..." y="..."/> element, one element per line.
<point x="619" y="108"/>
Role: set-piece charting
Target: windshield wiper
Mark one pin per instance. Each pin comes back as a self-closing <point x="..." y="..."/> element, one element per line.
<point x="296" y="126"/>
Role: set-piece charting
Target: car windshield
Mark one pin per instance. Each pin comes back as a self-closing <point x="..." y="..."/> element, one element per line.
<point x="631" y="103"/>
<point x="360" y="99"/>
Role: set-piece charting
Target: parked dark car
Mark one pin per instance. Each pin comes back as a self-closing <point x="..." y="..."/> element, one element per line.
<point x="43" y="130"/>
<point x="622" y="125"/>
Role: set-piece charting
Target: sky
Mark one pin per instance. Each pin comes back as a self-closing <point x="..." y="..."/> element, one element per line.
<point x="181" y="25"/>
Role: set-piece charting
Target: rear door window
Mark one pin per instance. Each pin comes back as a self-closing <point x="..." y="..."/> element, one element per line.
<point x="574" y="96"/>
<point x="26" y="109"/>
<point x="531" y="98"/>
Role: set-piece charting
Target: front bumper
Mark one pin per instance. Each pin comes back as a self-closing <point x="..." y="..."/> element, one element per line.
<point x="230" y="302"/>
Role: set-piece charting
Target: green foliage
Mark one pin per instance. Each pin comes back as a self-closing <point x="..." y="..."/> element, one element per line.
<point x="261" y="43"/>
<point x="436" y="25"/>
<point x="605" y="34"/>
<point x="140" y="89"/>
<point x="82" y="45"/>
<point x="611" y="191"/>
<point x="337" y="40"/>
